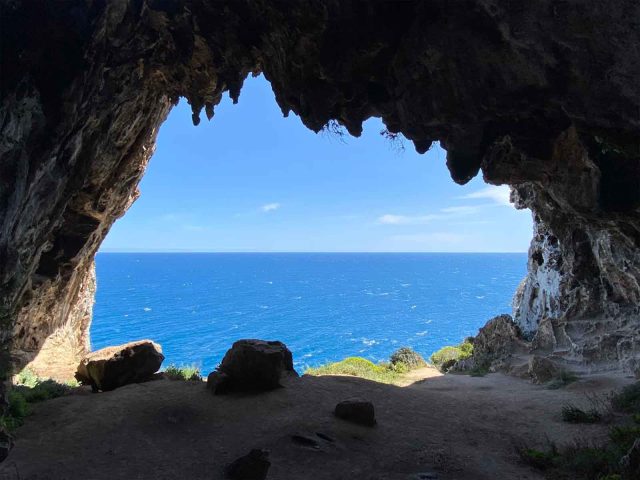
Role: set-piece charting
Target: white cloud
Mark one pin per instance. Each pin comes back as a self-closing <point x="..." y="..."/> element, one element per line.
<point x="461" y="210"/>
<point x="500" y="194"/>
<point x="270" y="207"/>
<point x="443" y="214"/>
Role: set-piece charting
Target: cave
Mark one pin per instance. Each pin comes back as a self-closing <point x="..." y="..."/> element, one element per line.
<point x="541" y="96"/>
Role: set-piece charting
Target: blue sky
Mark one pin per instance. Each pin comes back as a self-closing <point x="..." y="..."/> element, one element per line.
<point x="251" y="180"/>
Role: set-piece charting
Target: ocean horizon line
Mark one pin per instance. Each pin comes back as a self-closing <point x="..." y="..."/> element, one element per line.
<point x="292" y="252"/>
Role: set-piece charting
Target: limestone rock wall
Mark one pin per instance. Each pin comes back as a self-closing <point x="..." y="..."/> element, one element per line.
<point x="519" y="89"/>
<point x="584" y="262"/>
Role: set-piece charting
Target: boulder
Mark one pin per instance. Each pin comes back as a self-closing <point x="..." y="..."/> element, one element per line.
<point x="252" y="366"/>
<point x="542" y="370"/>
<point x="113" y="367"/>
<point x="253" y="466"/>
<point x="356" y="411"/>
<point x="497" y="342"/>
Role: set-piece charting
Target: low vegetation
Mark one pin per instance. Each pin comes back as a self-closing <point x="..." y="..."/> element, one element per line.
<point x="27" y="389"/>
<point x="408" y="357"/>
<point x="584" y="461"/>
<point x="446" y="357"/>
<point x="401" y="361"/>
<point x="189" y="373"/>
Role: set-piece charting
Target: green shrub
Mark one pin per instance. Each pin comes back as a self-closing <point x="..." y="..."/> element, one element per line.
<point x="573" y="414"/>
<point x="29" y="388"/>
<point x="27" y="378"/>
<point x="408" y="357"/>
<point x="18" y="407"/>
<point x="446" y="357"/>
<point x="398" y="367"/>
<point x="17" y="410"/>
<point x="43" y="390"/>
<point x="187" y="373"/>
<point x="628" y="400"/>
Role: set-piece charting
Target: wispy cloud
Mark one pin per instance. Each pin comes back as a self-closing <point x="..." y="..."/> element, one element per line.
<point x="443" y="214"/>
<point x="270" y="207"/>
<point x="499" y="195"/>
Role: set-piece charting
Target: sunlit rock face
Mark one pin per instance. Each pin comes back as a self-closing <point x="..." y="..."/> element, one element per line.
<point x="543" y="96"/>
<point x="584" y="263"/>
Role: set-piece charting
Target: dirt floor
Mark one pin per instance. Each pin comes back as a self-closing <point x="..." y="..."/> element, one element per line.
<point x="452" y="426"/>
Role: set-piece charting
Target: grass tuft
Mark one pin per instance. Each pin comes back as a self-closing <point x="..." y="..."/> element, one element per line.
<point x="189" y="373"/>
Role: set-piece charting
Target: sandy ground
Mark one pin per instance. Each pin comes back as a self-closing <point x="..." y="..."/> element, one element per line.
<point x="458" y="427"/>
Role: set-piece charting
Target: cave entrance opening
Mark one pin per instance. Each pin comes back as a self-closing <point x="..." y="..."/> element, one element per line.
<point x="253" y="226"/>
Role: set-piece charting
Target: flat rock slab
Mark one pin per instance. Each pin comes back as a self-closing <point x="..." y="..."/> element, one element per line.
<point x="356" y="411"/>
<point x="113" y="367"/>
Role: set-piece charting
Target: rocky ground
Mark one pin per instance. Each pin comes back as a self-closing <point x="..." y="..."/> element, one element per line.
<point x="440" y="426"/>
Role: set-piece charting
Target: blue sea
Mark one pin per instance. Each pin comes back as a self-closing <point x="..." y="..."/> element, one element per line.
<point x="324" y="306"/>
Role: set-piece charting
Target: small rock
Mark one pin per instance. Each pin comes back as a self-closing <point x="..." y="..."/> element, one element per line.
<point x="113" y="367"/>
<point x="253" y="466"/>
<point x="356" y="411"/>
<point x="6" y="444"/>
<point x="542" y="370"/>
<point x="253" y="366"/>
